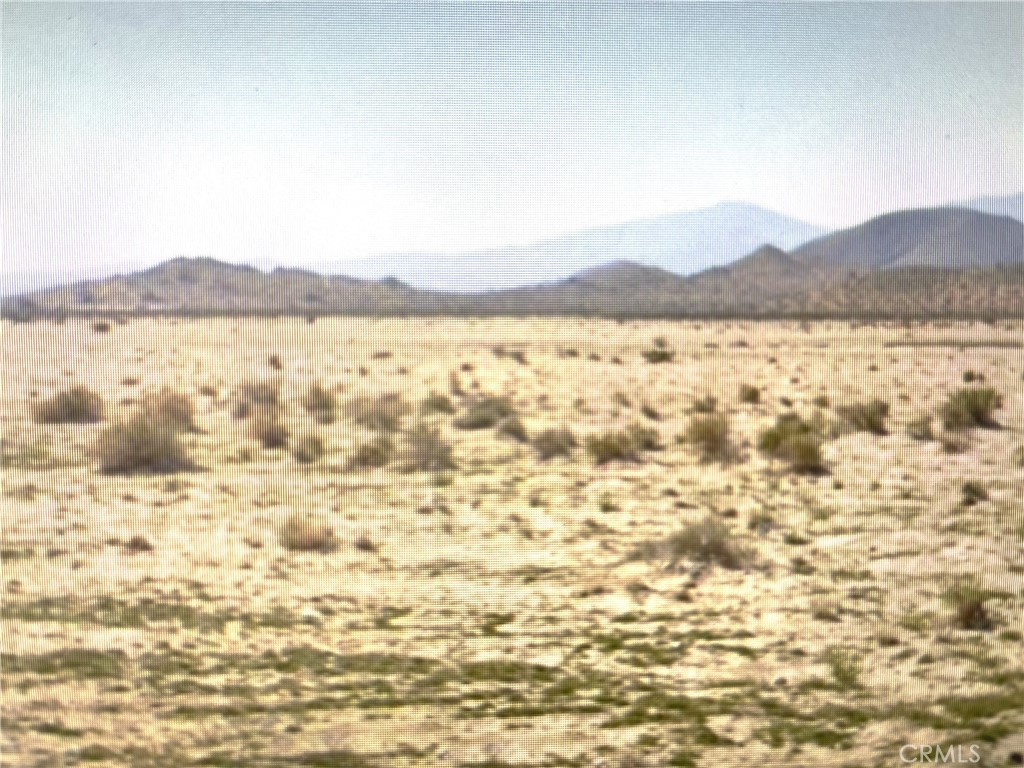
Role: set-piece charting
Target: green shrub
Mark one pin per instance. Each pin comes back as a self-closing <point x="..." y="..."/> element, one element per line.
<point x="436" y="403"/>
<point x="174" y="409"/>
<point x="796" y="441"/>
<point x="485" y="412"/>
<point x="374" y="454"/>
<point x="306" y="533"/>
<point x="710" y="433"/>
<point x="750" y="394"/>
<point x="970" y="407"/>
<point x="142" y="443"/>
<point x="307" y="449"/>
<point x="865" y="417"/>
<point x="320" y="403"/>
<point x="554" y="442"/>
<point x="383" y="412"/>
<point x="77" y="405"/>
<point x="427" y="451"/>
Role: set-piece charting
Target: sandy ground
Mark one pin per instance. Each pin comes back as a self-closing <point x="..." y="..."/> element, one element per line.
<point x="496" y="617"/>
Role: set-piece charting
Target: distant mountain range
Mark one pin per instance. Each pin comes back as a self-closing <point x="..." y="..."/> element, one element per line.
<point x="682" y="243"/>
<point x="933" y="261"/>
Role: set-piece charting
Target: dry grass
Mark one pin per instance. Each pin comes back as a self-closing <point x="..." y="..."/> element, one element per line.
<point x="267" y="428"/>
<point x="174" y="409"/>
<point x="77" y="405"/>
<point x="427" y="451"/>
<point x="304" y="532"/>
<point x="380" y="412"/>
<point x="485" y="412"/>
<point x="865" y="417"/>
<point x="709" y="432"/>
<point x="554" y="442"/>
<point x="796" y="441"/>
<point x="320" y="403"/>
<point x="142" y="443"/>
<point x="970" y="407"/>
<point x="707" y="541"/>
<point x="307" y="449"/>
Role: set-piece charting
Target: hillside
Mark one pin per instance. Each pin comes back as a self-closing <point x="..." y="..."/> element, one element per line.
<point x="924" y="262"/>
<point x="954" y="238"/>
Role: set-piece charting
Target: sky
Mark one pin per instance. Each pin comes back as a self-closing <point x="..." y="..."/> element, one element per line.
<point x="306" y="134"/>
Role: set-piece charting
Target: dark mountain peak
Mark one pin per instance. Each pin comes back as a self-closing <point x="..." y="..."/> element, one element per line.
<point x="932" y="237"/>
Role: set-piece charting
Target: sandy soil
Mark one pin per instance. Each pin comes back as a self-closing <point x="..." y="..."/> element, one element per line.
<point x="492" y="615"/>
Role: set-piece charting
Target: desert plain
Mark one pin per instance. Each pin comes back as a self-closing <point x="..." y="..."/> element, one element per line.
<point x="498" y="607"/>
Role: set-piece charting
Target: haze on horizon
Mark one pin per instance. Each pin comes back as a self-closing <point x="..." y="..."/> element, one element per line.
<point x="310" y="134"/>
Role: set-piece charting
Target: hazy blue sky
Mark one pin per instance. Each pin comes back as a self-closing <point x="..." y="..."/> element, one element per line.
<point x="300" y="133"/>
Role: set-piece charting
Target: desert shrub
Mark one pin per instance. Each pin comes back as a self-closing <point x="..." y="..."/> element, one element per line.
<point x="1017" y="458"/>
<point x="973" y="376"/>
<point x="707" y="541"/>
<point x="920" y="428"/>
<point x="267" y="428"/>
<point x="972" y="493"/>
<point x="303" y="532"/>
<point x="611" y="446"/>
<point x="77" y="405"/>
<point x="706" y="404"/>
<point x="437" y="403"/>
<point x="625" y="445"/>
<point x="750" y="394"/>
<point x="620" y="399"/>
<point x="710" y="433"/>
<point x="485" y="412"/>
<point x="101" y="327"/>
<point x="644" y="438"/>
<point x="821" y="401"/>
<point x="514" y="354"/>
<point x="320" y="403"/>
<point x="650" y="412"/>
<point x="307" y="449"/>
<point x="142" y="443"/>
<point x="376" y="453"/>
<point x="968" y="600"/>
<point x="427" y="451"/>
<point x="175" y="409"/>
<point x="275" y="362"/>
<point x="382" y="412"/>
<point x="659" y="355"/>
<point x="554" y="442"/>
<point x="255" y="394"/>
<point x="955" y="440"/>
<point x="970" y="407"/>
<point x="512" y="426"/>
<point x="865" y="417"/>
<point x="796" y="441"/>
<point x="455" y="385"/>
